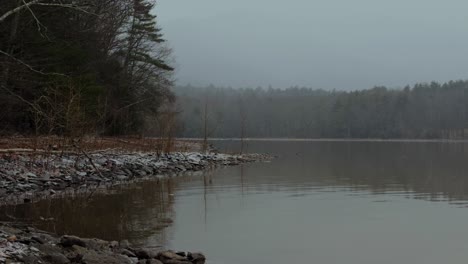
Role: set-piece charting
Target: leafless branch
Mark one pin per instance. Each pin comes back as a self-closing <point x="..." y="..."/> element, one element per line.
<point x="89" y="158"/>
<point x="18" y="9"/>
<point x="39" y="24"/>
<point x="29" y="66"/>
<point x="33" y="106"/>
<point x="27" y="5"/>
<point x="133" y="104"/>
<point x="68" y="6"/>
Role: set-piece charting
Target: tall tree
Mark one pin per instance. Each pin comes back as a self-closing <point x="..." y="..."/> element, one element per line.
<point x="106" y="58"/>
<point x="146" y="77"/>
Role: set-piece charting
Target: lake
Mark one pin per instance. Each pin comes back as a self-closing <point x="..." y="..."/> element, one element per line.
<point x="324" y="202"/>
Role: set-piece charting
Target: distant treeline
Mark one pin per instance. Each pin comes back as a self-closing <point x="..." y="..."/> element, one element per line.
<point x="426" y="111"/>
<point x="72" y="67"/>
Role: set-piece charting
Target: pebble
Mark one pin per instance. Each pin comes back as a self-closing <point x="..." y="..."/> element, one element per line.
<point x="34" y="249"/>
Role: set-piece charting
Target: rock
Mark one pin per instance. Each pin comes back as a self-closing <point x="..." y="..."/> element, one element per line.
<point x="30" y="175"/>
<point x="128" y="253"/>
<point x="79" y="250"/>
<point x="116" y="162"/>
<point x="11" y="173"/>
<point x="113" y="244"/>
<point x="68" y="241"/>
<point x="75" y="258"/>
<point x="56" y="258"/>
<point x="181" y="168"/>
<point x="154" y="261"/>
<point x="38" y="239"/>
<point x="95" y="178"/>
<point x="197" y="258"/>
<point x="141" y="173"/>
<point x="29" y="259"/>
<point x="96" y="244"/>
<point x="134" y="260"/>
<point x="169" y="257"/>
<point x="33" y="249"/>
<point x="147" y="169"/>
<point x="174" y="261"/>
<point x="95" y="258"/>
<point x="82" y="173"/>
<point x="120" y="173"/>
<point x="145" y="254"/>
<point x="25" y="241"/>
<point x="47" y="249"/>
<point x="23" y="186"/>
<point x="124" y="244"/>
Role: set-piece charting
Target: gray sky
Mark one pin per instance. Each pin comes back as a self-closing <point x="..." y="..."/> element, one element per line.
<point x="340" y="44"/>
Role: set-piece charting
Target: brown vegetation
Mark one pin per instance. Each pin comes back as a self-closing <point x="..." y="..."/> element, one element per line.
<point x="55" y="144"/>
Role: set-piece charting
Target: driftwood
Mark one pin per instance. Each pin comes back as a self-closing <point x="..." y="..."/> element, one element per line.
<point x="89" y="159"/>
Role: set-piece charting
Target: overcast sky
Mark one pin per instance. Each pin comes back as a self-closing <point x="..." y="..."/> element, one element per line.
<point x="328" y="44"/>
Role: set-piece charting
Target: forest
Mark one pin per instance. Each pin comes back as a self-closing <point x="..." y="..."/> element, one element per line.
<point x="424" y="111"/>
<point x="74" y="67"/>
<point x="77" y="67"/>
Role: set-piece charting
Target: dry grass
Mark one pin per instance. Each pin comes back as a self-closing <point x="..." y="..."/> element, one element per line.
<point x="95" y="144"/>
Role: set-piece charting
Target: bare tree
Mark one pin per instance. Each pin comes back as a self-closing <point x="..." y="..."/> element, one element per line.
<point x="210" y="119"/>
<point x="111" y="51"/>
<point x="24" y="5"/>
<point x="243" y="119"/>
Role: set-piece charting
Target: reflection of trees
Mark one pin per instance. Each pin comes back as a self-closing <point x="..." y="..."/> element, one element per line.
<point x="429" y="170"/>
<point x="136" y="212"/>
<point x="140" y="211"/>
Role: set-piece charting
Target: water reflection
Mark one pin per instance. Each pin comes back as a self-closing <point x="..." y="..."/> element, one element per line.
<point x="316" y="197"/>
<point x="331" y="202"/>
<point x="123" y="212"/>
<point x="430" y="171"/>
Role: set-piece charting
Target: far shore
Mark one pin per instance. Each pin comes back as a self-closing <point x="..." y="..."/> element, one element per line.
<point x="409" y="140"/>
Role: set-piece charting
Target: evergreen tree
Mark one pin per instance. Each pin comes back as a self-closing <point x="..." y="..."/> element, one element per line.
<point x="146" y="75"/>
<point x="105" y="60"/>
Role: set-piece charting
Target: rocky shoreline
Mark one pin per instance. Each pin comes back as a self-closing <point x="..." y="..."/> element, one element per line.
<point x="31" y="246"/>
<point x="25" y="177"/>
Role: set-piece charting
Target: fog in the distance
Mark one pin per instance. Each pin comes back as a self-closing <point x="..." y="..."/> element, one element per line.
<point x="327" y="44"/>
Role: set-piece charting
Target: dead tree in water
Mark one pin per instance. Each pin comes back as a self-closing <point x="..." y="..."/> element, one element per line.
<point x="209" y="122"/>
<point x="205" y="127"/>
<point x="243" y="119"/>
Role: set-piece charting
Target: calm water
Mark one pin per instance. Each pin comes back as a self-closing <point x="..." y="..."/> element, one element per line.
<point x="319" y="202"/>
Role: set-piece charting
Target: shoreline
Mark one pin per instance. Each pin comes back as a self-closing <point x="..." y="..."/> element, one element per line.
<point x="29" y="245"/>
<point x="29" y="178"/>
<point x="26" y="177"/>
<point x="402" y="140"/>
